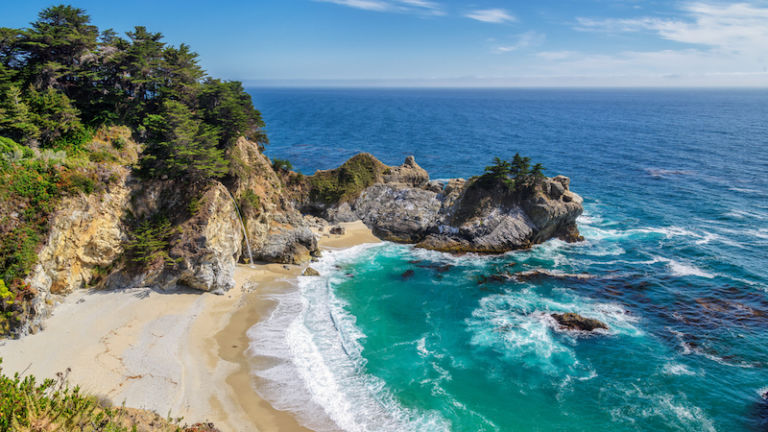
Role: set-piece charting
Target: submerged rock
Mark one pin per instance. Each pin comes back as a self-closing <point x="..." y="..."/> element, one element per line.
<point x="543" y="273"/>
<point x="407" y="274"/>
<point x="574" y="321"/>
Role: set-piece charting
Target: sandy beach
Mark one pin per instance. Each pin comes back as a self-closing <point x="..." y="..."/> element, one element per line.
<point x="180" y="353"/>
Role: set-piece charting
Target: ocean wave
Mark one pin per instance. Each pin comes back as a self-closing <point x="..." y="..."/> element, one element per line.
<point x="678" y="268"/>
<point x="673" y="411"/>
<point x="677" y="369"/>
<point x="312" y="363"/>
<point x="748" y="191"/>
<point x="519" y="325"/>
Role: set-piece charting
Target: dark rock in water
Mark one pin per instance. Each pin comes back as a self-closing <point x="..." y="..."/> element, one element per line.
<point x="498" y="277"/>
<point x="337" y="230"/>
<point x="310" y="272"/>
<point x="407" y="274"/>
<point x="541" y="273"/>
<point x="573" y="321"/>
<point x="433" y="266"/>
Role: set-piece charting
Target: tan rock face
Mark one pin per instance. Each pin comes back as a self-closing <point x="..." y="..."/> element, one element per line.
<point x="276" y="229"/>
<point x="210" y="244"/>
<point x="86" y="233"/>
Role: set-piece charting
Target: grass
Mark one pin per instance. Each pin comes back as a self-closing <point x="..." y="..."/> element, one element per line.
<point x="346" y="182"/>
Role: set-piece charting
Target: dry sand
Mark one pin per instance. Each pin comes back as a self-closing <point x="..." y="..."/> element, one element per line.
<point x="180" y="353"/>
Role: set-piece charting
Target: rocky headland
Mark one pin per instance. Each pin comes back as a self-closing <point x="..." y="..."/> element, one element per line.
<point x="269" y="214"/>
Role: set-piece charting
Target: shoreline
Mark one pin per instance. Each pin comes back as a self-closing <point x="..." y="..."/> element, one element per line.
<point x="180" y="353"/>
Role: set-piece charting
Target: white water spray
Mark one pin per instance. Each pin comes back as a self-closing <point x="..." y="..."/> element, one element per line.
<point x="242" y="226"/>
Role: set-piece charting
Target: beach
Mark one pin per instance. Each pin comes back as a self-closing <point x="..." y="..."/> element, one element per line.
<point x="181" y="353"/>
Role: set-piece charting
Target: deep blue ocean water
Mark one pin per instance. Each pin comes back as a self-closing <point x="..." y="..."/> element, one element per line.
<point x="675" y="184"/>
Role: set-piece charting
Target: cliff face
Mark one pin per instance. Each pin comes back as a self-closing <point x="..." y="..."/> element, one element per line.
<point x="458" y="215"/>
<point x="89" y="235"/>
<point x="277" y="231"/>
<point x="90" y="238"/>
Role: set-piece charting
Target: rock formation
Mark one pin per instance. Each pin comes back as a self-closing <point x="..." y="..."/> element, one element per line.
<point x="400" y="204"/>
<point x="89" y="240"/>
<point x="573" y="321"/>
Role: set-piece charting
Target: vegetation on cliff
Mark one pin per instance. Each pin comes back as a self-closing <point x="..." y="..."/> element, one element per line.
<point x="71" y="97"/>
<point x="347" y="181"/>
<point x="514" y="173"/>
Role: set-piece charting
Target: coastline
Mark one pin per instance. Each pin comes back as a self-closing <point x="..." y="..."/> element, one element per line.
<point x="181" y="353"/>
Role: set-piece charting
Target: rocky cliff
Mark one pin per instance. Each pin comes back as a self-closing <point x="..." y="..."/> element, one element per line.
<point x="196" y="232"/>
<point x="401" y="204"/>
<point x="90" y="235"/>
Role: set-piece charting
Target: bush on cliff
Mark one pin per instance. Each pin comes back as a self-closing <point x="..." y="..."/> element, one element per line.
<point x="346" y="182"/>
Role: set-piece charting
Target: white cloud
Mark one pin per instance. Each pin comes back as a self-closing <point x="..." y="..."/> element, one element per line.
<point x="497" y="16"/>
<point x="739" y="27"/>
<point x="525" y="40"/>
<point x="404" y="6"/>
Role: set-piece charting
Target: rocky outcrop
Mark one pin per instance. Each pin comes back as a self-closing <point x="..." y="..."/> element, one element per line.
<point x="478" y="215"/>
<point x="576" y="322"/>
<point x="276" y="229"/>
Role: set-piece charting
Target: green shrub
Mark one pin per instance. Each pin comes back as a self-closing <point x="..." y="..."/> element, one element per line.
<point x="100" y="156"/>
<point x="345" y="182"/>
<point x="80" y="182"/>
<point x="282" y="165"/>
<point x="150" y="242"/>
<point x="28" y="405"/>
<point x="250" y="202"/>
<point x="119" y="143"/>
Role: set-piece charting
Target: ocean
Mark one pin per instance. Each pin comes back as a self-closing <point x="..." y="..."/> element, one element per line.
<point x="675" y="186"/>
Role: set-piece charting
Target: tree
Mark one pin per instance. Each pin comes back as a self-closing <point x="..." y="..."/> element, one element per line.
<point x="57" y="45"/>
<point x="15" y="119"/>
<point x="520" y="165"/>
<point x="538" y="171"/>
<point x="500" y="168"/>
<point x="184" y="146"/>
<point x="226" y="106"/>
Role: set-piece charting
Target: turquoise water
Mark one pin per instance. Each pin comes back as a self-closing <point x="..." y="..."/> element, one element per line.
<point x="676" y="226"/>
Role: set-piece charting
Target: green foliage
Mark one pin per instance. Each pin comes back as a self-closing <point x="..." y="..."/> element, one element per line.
<point x="118" y="143"/>
<point x="150" y="242"/>
<point x="281" y="165"/>
<point x="62" y="78"/>
<point x="29" y="405"/>
<point x="514" y="173"/>
<point x="184" y="147"/>
<point x="345" y="182"/>
<point x="250" y="202"/>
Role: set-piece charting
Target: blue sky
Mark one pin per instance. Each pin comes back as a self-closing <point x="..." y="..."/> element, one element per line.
<point x="454" y="43"/>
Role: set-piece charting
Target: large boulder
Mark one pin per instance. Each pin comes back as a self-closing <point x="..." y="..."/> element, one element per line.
<point x="574" y="321"/>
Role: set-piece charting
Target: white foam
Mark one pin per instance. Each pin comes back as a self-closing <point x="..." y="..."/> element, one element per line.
<point x="677" y="369"/>
<point x="674" y="411"/>
<point x="311" y="361"/>
<point x="519" y="325"/>
<point x="686" y="269"/>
